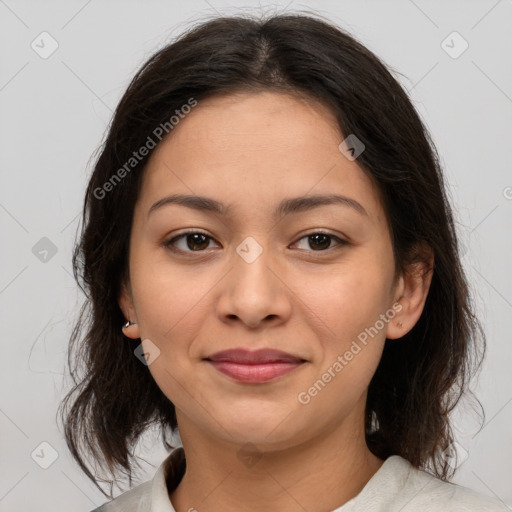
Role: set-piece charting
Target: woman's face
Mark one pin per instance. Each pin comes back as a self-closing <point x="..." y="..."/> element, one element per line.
<point x="257" y="280"/>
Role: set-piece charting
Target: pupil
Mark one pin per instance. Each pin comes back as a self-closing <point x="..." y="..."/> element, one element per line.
<point x="196" y="240"/>
<point x="315" y="238"/>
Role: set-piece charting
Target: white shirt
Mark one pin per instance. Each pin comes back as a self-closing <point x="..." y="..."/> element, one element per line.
<point x="396" y="487"/>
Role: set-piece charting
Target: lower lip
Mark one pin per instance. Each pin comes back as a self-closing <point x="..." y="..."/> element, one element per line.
<point x="254" y="373"/>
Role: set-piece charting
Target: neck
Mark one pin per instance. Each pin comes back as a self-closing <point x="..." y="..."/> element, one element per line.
<point x="320" y="474"/>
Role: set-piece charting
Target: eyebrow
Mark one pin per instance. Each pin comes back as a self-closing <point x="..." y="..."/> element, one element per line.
<point x="285" y="207"/>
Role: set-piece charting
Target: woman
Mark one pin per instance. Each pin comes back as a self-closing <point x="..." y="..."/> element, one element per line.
<point x="273" y="273"/>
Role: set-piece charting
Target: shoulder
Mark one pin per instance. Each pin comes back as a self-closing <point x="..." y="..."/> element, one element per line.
<point x="137" y="499"/>
<point x="423" y="491"/>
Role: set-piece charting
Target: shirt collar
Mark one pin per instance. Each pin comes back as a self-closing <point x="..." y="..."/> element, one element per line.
<point x="166" y="479"/>
<point x="172" y="469"/>
<point x="380" y="492"/>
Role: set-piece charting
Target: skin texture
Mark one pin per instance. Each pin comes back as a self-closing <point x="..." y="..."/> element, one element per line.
<point x="312" y="300"/>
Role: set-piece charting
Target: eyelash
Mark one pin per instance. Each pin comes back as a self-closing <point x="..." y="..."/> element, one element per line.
<point x="170" y="243"/>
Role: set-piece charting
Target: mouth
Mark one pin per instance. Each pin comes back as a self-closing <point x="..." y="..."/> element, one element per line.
<point x="254" y="367"/>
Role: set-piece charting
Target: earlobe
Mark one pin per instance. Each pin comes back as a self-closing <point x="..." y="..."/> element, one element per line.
<point x="131" y="330"/>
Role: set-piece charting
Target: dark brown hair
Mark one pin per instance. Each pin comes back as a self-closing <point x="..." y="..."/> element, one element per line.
<point x="421" y="376"/>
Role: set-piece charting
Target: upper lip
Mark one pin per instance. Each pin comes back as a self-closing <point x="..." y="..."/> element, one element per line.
<point x="264" y="355"/>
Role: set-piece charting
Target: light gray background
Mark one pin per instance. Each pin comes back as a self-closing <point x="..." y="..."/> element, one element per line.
<point x="54" y="112"/>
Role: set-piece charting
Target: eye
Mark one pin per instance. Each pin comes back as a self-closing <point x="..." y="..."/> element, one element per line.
<point x="320" y="241"/>
<point x="197" y="241"/>
<point x="192" y="241"/>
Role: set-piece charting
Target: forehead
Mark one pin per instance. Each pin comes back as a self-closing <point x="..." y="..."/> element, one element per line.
<point x="260" y="147"/>
<point x="246" y="123"/>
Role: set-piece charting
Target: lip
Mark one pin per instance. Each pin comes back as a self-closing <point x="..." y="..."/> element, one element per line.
<point x="254" y="367"/>
<point x="263" y="355"/>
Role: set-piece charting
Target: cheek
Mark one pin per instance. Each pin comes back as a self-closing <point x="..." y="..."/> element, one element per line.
<point x="173" y="304"/>
<point x="169" y="297"/>
<point x="342" y="310"/>
<point x="343" y="307"/>
<point x="170" y="304"/>
<point x="346" y="299"/>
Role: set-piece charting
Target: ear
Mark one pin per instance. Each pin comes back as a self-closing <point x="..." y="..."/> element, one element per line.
<point x="411" y="292"/>
<point x="128" y="309"/>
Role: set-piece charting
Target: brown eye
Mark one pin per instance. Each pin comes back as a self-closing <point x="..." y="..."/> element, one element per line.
<point x="319" y="241"/>
<point x="194" y="241"/>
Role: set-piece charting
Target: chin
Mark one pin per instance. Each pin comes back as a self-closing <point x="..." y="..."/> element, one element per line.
<point x="274" y="430"/>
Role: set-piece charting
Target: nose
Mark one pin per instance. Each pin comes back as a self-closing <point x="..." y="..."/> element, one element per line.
<point x="255" y="292"/>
